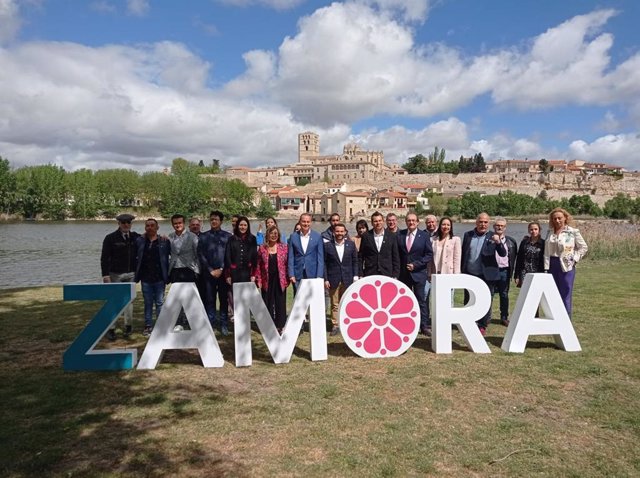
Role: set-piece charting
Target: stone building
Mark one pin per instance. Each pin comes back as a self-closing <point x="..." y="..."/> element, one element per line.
<point x="354" y="164"/>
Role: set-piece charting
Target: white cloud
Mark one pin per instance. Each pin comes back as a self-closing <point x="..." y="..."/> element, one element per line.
<point x="410" y="10"/>
<point x="58" y="102"/>
<point x="617" y="149"/>
<point x="10" y="21"/>
<point x="138" y="8"/>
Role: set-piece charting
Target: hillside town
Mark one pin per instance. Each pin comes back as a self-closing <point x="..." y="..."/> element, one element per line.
<point x="357" y="182"/>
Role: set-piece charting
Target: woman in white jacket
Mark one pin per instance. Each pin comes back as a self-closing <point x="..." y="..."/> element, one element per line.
<point x="563" y="248"/>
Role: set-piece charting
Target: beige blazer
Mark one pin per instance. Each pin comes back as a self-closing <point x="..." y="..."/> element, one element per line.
<point x="568" y="245"/>
<point x="447" y="260"/>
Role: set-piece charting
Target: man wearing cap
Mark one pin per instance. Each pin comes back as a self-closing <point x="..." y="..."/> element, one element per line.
<point x="118" y="263"/>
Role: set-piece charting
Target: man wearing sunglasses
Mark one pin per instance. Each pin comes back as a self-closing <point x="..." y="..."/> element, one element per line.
<point x="118" y="263"/>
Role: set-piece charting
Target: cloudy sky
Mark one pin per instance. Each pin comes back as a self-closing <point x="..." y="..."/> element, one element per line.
<point x="117" y="83"/>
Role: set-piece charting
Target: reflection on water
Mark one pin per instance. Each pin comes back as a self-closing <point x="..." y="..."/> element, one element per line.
<point x="50" y="253"/>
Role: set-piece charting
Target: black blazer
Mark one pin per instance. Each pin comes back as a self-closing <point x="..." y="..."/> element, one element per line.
<point x="335" y="271"/>
<point x="487" y="255"/>
<point x="386" y="262"/>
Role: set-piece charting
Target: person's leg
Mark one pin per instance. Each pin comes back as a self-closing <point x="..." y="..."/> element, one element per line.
<point x="335" y="295"/>
<point x="223" y="296"/>
<point x="210" y="287"/>
<point x="503" y="292"/>
<point x="158" y="297"/>
<point x="147" y="295"/>
<point x="427" y="298"/>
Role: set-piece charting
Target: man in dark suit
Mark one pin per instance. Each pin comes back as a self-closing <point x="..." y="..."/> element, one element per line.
<point x="341" y="268"/>
<point x="152" y="270"/>
<point x="415" y="251"/>
<point x="118" y="263"/>
<point x="306" y="253"/>
<point x="211" y="248"/>
<point x="478" y="259"/>
<point x="379" y="250"/>
<point x="506" y="265"/>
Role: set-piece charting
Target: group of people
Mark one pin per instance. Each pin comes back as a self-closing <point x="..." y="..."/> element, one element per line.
<point x="216" y="259"/>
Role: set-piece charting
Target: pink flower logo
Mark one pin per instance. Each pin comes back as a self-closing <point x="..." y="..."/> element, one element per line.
<point x="379" y="317"/>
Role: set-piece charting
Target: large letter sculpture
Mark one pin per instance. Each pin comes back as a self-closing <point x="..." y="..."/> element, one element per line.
<point x="445" y="314"/>
<point x="247" y="299"/>
<point x="540" y="289"/>
<point x="201" y="336"/>
<point x="379" y="317"/>
<point x="81" y="354"/>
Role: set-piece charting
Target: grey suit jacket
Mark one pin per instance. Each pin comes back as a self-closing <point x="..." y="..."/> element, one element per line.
<point x="186" y="251"/>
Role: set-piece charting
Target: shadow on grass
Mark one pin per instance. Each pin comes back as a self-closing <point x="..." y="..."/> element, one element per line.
<point x="93" y="423"/>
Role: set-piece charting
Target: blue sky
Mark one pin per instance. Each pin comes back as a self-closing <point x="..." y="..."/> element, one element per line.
<point x="117" y="83"/>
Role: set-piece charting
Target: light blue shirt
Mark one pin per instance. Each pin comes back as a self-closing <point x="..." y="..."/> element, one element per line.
<point x="474" y="263"/>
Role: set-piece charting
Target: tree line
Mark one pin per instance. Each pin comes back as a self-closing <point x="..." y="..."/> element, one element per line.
<point x="435" y="163"/>
<point x="50" y="192"/>
<point x="509" y="203"/>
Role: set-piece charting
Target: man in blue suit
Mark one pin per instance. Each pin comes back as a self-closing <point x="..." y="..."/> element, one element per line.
<point x="341" y="268"/>
<point x="415" y="251"/>
<point x="306" y="253"/>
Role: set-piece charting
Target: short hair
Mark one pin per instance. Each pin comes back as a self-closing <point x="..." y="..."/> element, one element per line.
<point x="340" y="224"/>
<point x="306" y="214"/>
<point x="236" y="230"/>
<point x="334" y="215"/>
<point x="445" y="218"/>
<point x="482" y="214"/>
<point x="534" y="223"/>
<point x="177" y="216"/>
<point x="499" y="219"/>
<point x="236" y="216"/>
<point x="377" y="213"/>
<point x="272" y="228"/>
<point x="151" y="219"/>
<point x="391" y="214"/>
<point x="218" y="214"/>
<point x="411" y="213"/>
<point x="435" y="218"/>
<point x="194" y="219"/>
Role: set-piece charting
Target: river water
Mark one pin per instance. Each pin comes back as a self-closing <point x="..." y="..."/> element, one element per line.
<point x="54" y="253"/>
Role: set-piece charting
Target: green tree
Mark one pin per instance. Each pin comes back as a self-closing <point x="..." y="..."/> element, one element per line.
<point x="7" y="187"/>
<point x="265" y="208"/>
<point x="185" y="192"/>
<point x="232" y="196"/>
<point x="153" y="187"/>
<point x="621" y="206"/>
<point x="583" y="204"/>
<point x="437" y="204"/>
<point x="41" y="190"/>
<point x="83" y="196"/>
<point x="416" y="164"/>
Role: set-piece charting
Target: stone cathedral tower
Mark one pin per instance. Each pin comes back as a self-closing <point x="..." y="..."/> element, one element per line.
<point x="308" y="146"/>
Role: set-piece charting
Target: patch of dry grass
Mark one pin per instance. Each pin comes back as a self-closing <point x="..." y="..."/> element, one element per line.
<point x="543" y="413"/>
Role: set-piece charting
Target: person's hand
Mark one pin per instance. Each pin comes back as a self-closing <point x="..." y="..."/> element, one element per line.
<point x="229" y="280"/>
<point x="216" y="273"/>
<point x="327" y="285"/>
<point x="106" y="280"/>
<point x="252" y="278"/>
<point x="292" y="280"/>
<point x="495" y="238"/>
<point x="518" y="282"/>
<point x="410" y="267"/>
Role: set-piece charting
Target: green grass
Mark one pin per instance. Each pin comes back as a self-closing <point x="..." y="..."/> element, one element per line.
<point x="542" y="413"/>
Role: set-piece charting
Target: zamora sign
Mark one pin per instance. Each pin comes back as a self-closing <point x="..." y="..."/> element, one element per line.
<point x="379" y="317"/>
